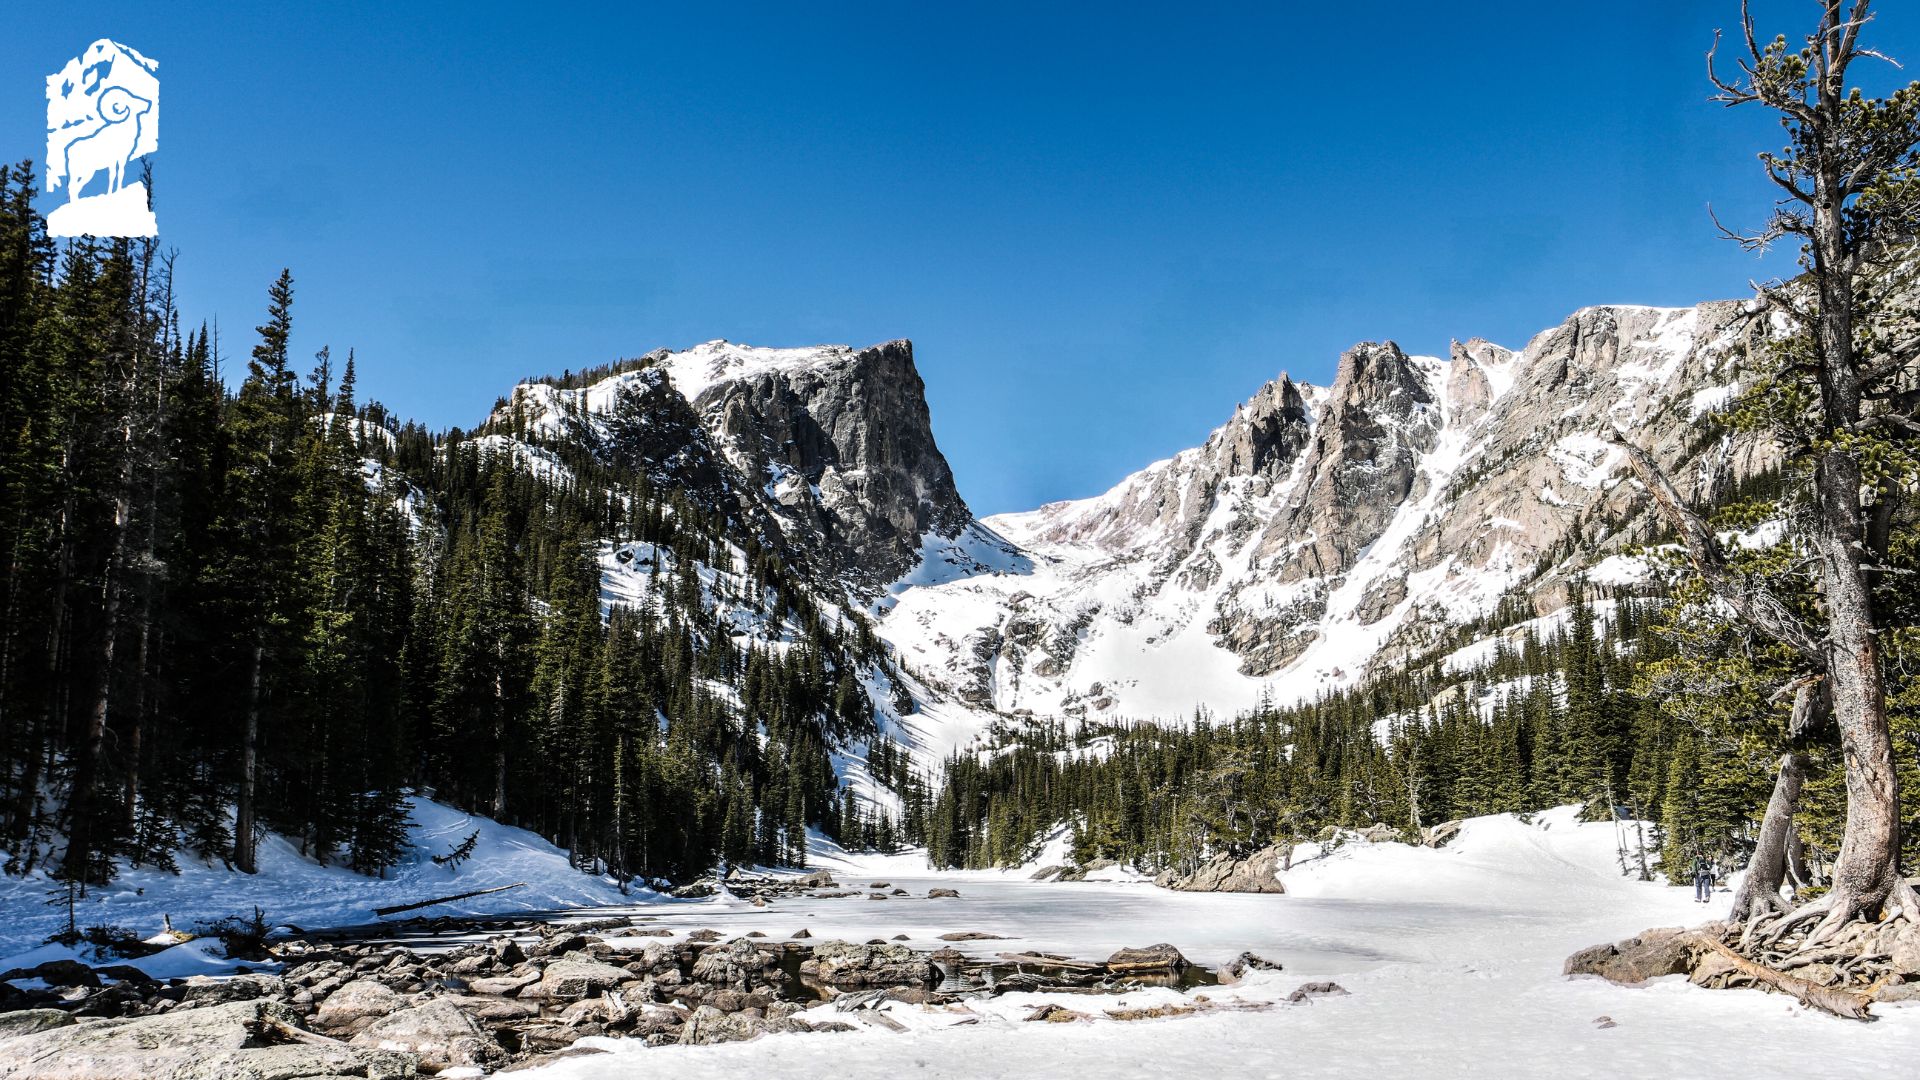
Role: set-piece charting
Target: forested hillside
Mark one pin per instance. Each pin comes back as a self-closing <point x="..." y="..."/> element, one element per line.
<point x="278" y="607"/>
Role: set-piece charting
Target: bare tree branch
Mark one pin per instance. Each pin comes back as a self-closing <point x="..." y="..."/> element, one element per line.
<point x="1753" y="600"/>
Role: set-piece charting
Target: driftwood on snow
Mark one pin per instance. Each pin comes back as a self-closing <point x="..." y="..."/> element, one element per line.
<point x="398" y="908"/>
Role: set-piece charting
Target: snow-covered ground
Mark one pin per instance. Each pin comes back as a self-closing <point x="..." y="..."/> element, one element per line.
<point x="1453" y="958"/>
<point x="292" y="889"/>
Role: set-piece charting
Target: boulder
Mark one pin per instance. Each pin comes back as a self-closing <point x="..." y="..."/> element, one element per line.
<point x="1237" y="968"/>
<point x="1637" y="959"/>
<point x="847" y="964"/>
<point x="819" y="879"/>
<point x="1256" y="873"/>
<point x="493" y="1010"/>
<point x="1435" y="836"/>
<point x="505" y="984"/>
<point x="1308" y="991"/>
<point x="739" y="964"/>
<point x="206" y="990"/>
<point x="709" y="1025"/>
<point x="233" y="1041"/>
<point x="937" y="894"/>
<point x="356" y="1005"/>
<point x="32" y="1022"/>
<point x="56" y="973"/>
<point x="1151" y="959"/>
<point x="439" y="1033"/>
<point x="575" y="976"/>
<point x="1901" y="942"/>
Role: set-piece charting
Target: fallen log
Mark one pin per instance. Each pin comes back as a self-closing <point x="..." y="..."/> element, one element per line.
<point x="1045" y="960"/>
<point x="398" y="908"/>
<point x="1842" y="1003"/>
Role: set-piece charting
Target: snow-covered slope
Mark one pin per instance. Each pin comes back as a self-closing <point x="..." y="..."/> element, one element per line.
<point x="291" y="889"/>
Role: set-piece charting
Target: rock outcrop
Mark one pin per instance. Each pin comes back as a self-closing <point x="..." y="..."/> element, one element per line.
<point x="1637" y="959"/>
<point x="1255" y="873"/>
<point x="243" y="1040"/>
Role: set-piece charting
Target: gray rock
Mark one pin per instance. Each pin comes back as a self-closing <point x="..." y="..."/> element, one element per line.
<point x="709" y="1025"/>
<point x="1237" y="968"/>
<point x="56" y="973"/>
<point x="572" y="977"/>
<point x="1153" y="958"/>
<point x="1633" y="961"/>
<point x="1257" y="873"/>
<point x="739" y="965"/>
<point x="231" y="1041"/>
<point x="505" y="984"/>
<point x="1308" y="991"/>
<point x="32" y="1022"/>
<point x="937" y="894"/>
<point x="356" y="1005"/>
<point x="847" y="964"/>
<point x="438" y="1032"/>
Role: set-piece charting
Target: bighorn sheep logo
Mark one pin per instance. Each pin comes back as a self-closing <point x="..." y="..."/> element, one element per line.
<point x="103" y="112"/>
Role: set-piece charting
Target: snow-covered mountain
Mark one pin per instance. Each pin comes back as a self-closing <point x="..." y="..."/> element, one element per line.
<point x="1324" y="533"/>
<point x="1320" y="534"/>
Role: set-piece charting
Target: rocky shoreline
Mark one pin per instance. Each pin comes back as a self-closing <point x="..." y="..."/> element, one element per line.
<point x="527" y="992"/>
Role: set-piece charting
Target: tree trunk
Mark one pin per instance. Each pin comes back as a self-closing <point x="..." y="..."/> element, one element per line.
<point x="499" y="748"/>
<point x="243" y="824"/>
<point x="1867" y="869"/>
<point x="81" y="814"/>
<point x="1767" y="869"/>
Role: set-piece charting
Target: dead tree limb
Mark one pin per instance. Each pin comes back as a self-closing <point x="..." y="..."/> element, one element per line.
<point x="398" y="908"/>
<point x="1847" y="1004"/>
<point x="1751" y="599"/>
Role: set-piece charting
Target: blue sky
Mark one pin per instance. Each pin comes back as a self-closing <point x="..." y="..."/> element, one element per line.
<point x="1102" y="227"/>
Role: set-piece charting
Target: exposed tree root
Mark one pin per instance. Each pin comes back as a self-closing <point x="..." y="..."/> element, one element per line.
<point x="1848" y="1004"/>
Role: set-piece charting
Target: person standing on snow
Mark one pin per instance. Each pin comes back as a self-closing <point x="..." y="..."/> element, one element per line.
<point x="1702" y="880"/>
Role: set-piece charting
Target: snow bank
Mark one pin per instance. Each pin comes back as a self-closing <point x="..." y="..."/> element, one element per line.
<point x="294" y="890"/>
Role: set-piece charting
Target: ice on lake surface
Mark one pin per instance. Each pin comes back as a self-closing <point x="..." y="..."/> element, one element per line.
<point x="1452" y="957"/>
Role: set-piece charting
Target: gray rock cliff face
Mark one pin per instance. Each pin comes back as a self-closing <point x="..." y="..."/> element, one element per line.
<point x="824" y="454"/>
<point x="848" y="444"/>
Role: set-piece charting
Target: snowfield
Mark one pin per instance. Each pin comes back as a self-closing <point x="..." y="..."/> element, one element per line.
<point x="294" y="890"/>
<point x="1452" y="957"/>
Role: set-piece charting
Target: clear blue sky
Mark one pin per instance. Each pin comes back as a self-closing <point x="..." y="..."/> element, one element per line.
<point x="1102" y="227"/>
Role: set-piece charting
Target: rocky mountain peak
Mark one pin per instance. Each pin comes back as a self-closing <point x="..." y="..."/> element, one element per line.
<point x="827" y="451"/>
<point x="1265" y="434"/>
<point x="844" y="445"/>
